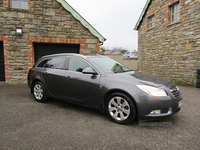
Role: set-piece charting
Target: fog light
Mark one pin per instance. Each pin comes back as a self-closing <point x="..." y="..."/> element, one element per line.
<point x="170" y="110"/>
<point x="155" y="112"/>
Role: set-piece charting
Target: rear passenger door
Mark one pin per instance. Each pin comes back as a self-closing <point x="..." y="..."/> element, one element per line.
<point x="53" y="75"/>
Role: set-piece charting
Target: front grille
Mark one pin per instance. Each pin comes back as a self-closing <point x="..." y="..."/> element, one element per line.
<point x="175" y="91"/>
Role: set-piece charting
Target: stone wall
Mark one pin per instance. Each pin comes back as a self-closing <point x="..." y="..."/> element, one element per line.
<point x="1" y="3"/>
<point x="171" y="50"/>
<point x="44" y="21"/>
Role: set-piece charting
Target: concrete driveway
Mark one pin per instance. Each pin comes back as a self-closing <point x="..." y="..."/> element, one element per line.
<point x="28" y="125"/>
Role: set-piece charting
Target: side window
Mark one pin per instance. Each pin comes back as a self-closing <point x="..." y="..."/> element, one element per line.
<point x="44" y="64"/>
<point x="77" y="64"/>
<point x="58" y="63"/>
<point x="21" y="4"/>
<point x="174" y="12"/>
<point x="151" y="21"/>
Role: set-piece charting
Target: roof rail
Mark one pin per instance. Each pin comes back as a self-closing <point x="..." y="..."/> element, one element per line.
<point x="63" y="54"/>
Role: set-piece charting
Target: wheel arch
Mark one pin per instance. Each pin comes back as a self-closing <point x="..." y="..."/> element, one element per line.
<point x="109" y="93"/>
<point x="34" y="81"/>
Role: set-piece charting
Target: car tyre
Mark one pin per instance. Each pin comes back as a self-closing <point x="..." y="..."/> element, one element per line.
<point x="39" y="92"/>
<point x="120" y="108"/>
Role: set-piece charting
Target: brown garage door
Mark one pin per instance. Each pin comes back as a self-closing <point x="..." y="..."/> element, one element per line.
<point x="42" y="49"/>
<point x="2" y="68"/>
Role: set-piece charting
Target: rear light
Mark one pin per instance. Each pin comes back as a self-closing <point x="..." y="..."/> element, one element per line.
<point x="30" y="70"/>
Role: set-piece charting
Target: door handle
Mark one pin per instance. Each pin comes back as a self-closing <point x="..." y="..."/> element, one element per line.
<point x="68" y="78"/>
<point x="46" y="73"/>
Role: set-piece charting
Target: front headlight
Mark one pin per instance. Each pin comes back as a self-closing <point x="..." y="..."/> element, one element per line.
<point x="152" y="91"/>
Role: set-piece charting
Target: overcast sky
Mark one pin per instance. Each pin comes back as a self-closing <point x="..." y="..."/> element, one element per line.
<point x="114" y="19"/>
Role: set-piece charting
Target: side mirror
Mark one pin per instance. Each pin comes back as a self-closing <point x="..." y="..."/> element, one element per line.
<point x="89" y="70"/>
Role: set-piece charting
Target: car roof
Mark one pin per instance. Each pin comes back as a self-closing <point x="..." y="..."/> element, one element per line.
<point x="71" y="54"/>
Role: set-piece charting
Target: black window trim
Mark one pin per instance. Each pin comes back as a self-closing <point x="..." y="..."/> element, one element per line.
<point x="50" y="59"/>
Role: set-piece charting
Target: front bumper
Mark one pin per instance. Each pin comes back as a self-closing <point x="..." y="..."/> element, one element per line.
<point x="151" y="108"/>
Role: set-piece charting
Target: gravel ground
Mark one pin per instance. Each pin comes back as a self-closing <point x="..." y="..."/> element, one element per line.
<point x="28" y="125"/>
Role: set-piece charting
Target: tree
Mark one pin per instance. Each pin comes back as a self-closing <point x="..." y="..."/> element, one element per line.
<point x="124" y="51"/>
<point x="103" y="49"/>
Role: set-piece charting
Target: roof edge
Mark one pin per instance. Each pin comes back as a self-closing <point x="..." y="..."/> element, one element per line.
<point x="82" y="20"/>
<point x="142" y="15"/>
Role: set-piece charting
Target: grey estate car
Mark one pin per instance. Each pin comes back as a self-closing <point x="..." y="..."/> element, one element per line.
<point x="102" y="83"/>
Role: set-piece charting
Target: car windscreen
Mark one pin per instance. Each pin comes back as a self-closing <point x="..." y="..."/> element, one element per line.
<point x="109" y="65"/>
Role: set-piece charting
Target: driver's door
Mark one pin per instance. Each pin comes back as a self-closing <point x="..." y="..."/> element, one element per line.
<point x="78" y="86"/>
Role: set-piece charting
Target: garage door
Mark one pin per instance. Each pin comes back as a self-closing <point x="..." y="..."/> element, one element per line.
<point x="42" y="49"/>
<point x="2" y="68"/>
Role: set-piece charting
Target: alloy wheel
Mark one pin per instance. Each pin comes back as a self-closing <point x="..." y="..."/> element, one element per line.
<point x="38" y="92"/>
<point x="119" y="108"/>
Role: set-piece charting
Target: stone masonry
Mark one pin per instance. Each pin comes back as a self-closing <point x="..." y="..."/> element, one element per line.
<point x="171" y="50"/>
<point x="44" y="21"/>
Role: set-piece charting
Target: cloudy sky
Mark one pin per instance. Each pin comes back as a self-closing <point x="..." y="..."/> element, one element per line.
<point x="114" y="19"/>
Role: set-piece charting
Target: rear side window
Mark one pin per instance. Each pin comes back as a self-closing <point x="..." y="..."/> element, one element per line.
<point x="44" y="64"/>
<point x="58" y="63"/>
